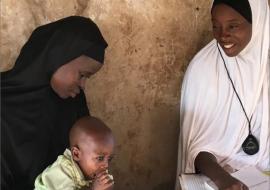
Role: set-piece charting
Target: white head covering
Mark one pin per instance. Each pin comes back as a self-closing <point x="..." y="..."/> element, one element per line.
<point x="211" y="117"/>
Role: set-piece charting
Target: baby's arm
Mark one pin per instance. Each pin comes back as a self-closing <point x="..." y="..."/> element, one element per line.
<point x="207" y="164"/>
<point x="54" y="178"/>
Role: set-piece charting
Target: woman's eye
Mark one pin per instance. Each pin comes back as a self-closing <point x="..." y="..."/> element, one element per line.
<point x="215" y="28"/>
<point x="233" y="27"/>
<point x="83" y="75"/>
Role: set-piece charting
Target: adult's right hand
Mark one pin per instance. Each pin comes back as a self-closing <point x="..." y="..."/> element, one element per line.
<point x="207" y="164"/>
<point x="230" y="183"/>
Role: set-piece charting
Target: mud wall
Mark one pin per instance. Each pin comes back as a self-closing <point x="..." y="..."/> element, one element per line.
<point x="137" y="91"/>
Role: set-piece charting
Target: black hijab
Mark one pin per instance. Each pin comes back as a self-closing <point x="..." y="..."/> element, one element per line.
<point x="241" y="6"/>
<point x="35" y="121"/>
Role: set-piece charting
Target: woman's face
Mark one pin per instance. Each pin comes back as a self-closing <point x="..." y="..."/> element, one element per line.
<point x="69" y="79"/>
<point x="231" y="30"/>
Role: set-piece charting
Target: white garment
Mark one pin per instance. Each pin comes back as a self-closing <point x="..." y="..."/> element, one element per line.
<point x="211" y="117"/>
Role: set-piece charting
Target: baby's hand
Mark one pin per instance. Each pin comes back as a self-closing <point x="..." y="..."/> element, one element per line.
<point x="103" y="181"/>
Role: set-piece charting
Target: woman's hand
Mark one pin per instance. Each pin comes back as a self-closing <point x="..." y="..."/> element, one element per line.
<point x="207" y="164"/>
<point x="230" y="183"/>
<point x="103" y="181"/>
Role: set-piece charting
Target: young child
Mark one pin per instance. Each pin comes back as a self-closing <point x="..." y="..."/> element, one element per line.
<point x="85" y="164"/>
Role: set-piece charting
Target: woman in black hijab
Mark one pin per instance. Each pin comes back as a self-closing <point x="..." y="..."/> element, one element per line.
<point x="42" y="96"/>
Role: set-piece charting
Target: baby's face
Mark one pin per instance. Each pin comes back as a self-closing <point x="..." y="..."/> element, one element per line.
<point x="96" y="156"/>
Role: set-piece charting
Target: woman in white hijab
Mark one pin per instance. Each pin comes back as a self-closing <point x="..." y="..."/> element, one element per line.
<point x="224" y="111"/>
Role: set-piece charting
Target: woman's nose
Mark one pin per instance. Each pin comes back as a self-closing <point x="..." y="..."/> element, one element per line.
<point x="224" y="34"/>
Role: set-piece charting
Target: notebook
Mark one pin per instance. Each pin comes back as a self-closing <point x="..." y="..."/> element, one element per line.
<point x="195" y="182"/>
<point x="251" y="176"/>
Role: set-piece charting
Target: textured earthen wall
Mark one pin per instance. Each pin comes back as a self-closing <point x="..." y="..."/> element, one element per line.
<point x="137" y="91"/>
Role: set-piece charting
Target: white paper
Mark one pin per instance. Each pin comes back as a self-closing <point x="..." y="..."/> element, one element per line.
<point x="250" y="176"/>
<point x="253" y="178"/>
<point x="194" y="182"/>
<point x="210" y="185"/>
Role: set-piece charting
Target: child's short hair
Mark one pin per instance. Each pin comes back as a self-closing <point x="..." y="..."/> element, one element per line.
<point x="89" y="126"/>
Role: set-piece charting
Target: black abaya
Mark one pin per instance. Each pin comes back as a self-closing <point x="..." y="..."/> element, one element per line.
<point x="34" y="120"/>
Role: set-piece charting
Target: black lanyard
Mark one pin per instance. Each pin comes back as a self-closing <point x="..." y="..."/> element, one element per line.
<point x="250" y="145"/>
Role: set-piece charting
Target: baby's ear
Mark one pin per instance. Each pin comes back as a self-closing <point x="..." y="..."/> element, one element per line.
<point x="76" y="153"/>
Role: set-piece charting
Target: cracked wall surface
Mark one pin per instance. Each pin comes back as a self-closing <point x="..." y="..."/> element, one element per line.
<point x="137" y="91"/>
